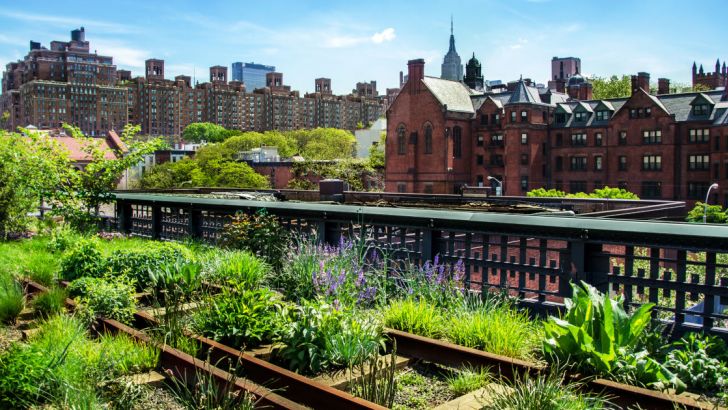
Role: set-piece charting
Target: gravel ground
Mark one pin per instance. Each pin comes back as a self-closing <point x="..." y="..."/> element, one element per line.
<point x="421" y="386"/>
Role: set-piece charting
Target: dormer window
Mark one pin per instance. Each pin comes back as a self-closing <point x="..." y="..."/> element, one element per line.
<point x="602" y="115"/>
<point x="580" y="116"/>
<point x="701" y="109"/>
<point x="560" y="118"/>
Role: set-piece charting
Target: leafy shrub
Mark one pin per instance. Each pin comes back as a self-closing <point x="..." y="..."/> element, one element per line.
<point x="601" y="337"/>
<point x="240" y="269"/>
<point x="260" y="233"/>
<point x="113" y="299"/>
<point x="605" y="193"/>
<point x="137" y="263"/>
<point x="546" y="193"/>
<point x="80" y="286"/>
<point x="84" y="259"/>
<point x="120" y="354"/>
<point x="415" y="316"/>
<point x="244" y="319"/>
<point x="316" y="337"/>
<point x="12" y="300"/>
<point x="501" y="330"/>
<point x="544" y="391"/>
<point x="695" y="360"/>
<point x="715" y="214"/>
<point x="62" y="240"/>
<point x="51" y="302"/>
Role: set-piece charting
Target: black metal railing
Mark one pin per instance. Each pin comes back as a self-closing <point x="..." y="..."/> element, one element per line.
<point x="681" y="267"/>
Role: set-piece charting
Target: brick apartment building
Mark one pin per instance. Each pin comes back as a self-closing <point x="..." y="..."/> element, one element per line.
<point x="69" y="84"/>
<point x="442" y="135"/>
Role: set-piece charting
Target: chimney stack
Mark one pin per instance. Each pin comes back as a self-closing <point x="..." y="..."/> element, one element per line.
<point x="415" y="73"/>
<point x="663" y="86"/>
<point x="641" y="80"/>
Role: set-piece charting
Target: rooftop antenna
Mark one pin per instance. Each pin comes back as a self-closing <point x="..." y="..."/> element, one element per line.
<point x="451" y="32"/>
<point x="194" y="79"/>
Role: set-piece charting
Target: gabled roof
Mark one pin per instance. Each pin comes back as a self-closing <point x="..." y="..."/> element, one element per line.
<point x="605" y="105"/>
<point x="583" y="107"/>
<point x="702" y="98"/>
<point x="680" y="105"/>
<point x="524" y="94"/>
<point x="566" y="108"/>
<point x="453" y="94"/>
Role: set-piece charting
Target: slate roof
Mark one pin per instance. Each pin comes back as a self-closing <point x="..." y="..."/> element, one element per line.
<point x="679" y="105"/>
<point x="454" y="94"/>
<point x="524" y="94"/>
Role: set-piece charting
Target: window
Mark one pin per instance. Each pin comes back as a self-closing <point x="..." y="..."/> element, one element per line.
<point x="524" y="159"/>
<point x="428" y="139"/>
<point x="622" y="163"/>
<point x="699" y="135"/>
<point x="652" y="162"/>
<point x="495" y="119"/>
<point x="577" y="186"/>
<point x="701" y="109"/>
<point x="652" y="137"/>
<point x="698" y="162"/>
<point x="633" y="113"/>
<point x="598" y="139"/>
<point x="622" y="137"/>
<point x="598" y="163"/>
<point x="697" y="190"/>
<point x="578" y="139"/>
<point x="479" y="181"/>
<point x="524" y="116"/>
<point x="401" y="187"/>
<point x="496" y="140"/>
<point x="578" y="163"/>
<point x="559" y="163"/>
<point x="480" y="141"/>
<point x="524" y="183"/>
<point x="513" y="116"/>
<point x="651" y="189"/>
<point x="559" y="140"/>
<point x="457" y="141"/>
<point x="580" y="116"/>
<point x="428" y="188"/>
<point x="496" y="160"/>
<point x="524" y="138"/>
<point x="479" y="160"/>
<point x="602" y="115"/>
<point x="401" y="141"/>
<point x="484" y="119"/>
<point x="648" y="112"/>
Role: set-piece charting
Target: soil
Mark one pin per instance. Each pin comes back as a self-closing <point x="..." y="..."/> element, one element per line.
<point x="8" y="336"/>
<point x="422" y="386"/>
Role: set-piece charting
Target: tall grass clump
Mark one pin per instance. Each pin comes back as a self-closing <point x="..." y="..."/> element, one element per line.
<point x="414" y="316"/>
<point x="464" y="381"/>
<point x="240" y="269"/>
<point x="544" y="391"/>
<point x="498" y="329"/>
<point x="12" y="300"/>
<point x="50" y="303"/>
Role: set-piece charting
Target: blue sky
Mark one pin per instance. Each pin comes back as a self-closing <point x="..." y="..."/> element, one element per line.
<point x="352" y="41"/>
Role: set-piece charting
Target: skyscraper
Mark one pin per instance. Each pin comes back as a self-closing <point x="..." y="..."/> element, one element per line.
<point x="253" y="75"/>
<point x="452" y="68"/>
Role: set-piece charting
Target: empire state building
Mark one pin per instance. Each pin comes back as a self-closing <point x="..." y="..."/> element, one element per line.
<point x="452" y="68"/>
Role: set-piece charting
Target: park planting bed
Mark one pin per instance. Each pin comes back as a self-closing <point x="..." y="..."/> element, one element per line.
<point x="303" y="324"/>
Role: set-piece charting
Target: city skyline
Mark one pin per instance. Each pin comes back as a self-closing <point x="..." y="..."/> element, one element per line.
<point x="307" y="40"/>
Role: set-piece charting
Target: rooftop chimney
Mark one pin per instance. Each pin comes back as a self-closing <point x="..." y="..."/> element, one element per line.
<point x="415" y="74"/>
<point x="663" y="86"/>
<point x="641" y="80"/>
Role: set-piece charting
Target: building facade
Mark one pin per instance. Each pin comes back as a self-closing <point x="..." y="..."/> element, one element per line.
<point x="563" y="68"/>
<point x="442" y="135"/>
<point x="710" y="80"/>
<point x="251" y="74"/>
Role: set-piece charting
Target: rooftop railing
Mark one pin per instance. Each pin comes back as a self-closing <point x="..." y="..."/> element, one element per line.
<point x="682" y="268"/>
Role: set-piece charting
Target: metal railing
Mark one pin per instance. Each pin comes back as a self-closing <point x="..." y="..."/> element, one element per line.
<point x="681" y="267"/>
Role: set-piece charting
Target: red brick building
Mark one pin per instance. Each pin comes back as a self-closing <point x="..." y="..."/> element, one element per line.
<point x="710" y="80"/>
<point x="442" y="135"/>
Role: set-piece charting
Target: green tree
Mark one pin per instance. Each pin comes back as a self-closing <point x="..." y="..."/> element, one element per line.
<point x="546" y="193"/>
<point x="239" y="174"/>
<point x="613" y="87"/>
<point x="204" y="131"/>
<point x="700" y="88"/>
<point x="715" y="214"/>
<point x="376" y="152"/>
<point x="4" y="119"/>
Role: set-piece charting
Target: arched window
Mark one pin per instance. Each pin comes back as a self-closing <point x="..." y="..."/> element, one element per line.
<point x="457" y="142"/>
<point x="428" y="139"/>
<point x="401" y="141"/>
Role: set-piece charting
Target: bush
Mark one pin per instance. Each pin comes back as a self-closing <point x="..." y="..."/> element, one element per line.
<point x="50" y="303"/>
<point x="242" y="270"/>
<point x="84" y="259"/>
<point x="695" y="360"/>
<point x="12" y="300"/>
<point x="260" y="233"/>
<point x="501" y="330"/>
<point x="715" y="214"/>
<point x="246" y="319"/>
<point x="598" y="334"/>
<point x="113" y="299"/>
<point x="137" y="263"/>
<point x="419" y="317"/>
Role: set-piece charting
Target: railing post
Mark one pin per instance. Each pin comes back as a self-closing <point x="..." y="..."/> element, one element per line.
<point x="328" y="232"/>
<point x="589" y="263"/>
<point x="156" y="221"/>
<point x="430" y="238"/>
<point x="124" y="214"/>
<point x="195" y="228"/>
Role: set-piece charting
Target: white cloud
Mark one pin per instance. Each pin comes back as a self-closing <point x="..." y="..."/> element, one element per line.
<point x="385" y="35"/>
<point x="521" y="42"/>
<point x="61" y="21"/>
<point x="123" y="54"/>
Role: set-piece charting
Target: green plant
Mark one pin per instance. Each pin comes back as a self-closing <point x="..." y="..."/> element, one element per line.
<point x="598" y="334"/>
<point x="122" y="355"/>
<point x="357" y="341"/>
<point x="241" y="319"/>
<point x="138" y="262"/>
<point x="107" y="298"/>
<point x="696" y="361"/>
<point x="84" y="259"/>
<point x="259" y="233"/>
<point x="468" y="379"/>
<point x="715" y="214"/>
<point x="544" y="391"/>
<point x="375" y="380"/>
<point x="501" y="330"/>
<point x="415" y="316"/>
<point x="240" y="269"/>
<point x="51" y="302"/>
<point x="12" y="300"/>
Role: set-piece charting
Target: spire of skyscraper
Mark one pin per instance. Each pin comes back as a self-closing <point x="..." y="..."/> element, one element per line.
<point x="452" y="68"/>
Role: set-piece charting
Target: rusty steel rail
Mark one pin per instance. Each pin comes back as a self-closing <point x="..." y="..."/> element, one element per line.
<point x="185" y="367"/>
<point x="624" y="395"/>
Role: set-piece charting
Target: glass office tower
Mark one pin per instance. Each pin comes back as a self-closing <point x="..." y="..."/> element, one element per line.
<point x="253" y="75"/>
